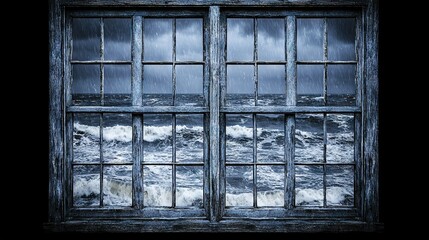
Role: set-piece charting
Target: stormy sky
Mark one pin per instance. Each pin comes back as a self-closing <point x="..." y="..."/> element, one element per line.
<point x="158" y="46"/>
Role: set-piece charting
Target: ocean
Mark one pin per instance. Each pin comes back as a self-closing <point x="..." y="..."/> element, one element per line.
<point x="157" y="145"/>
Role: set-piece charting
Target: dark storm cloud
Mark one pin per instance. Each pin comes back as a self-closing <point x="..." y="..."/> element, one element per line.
<point x="341" y="40"/>
<point x="158" y="39"/>
<point x="86" y="36"/>
<point x="189" y="39"/>
<point x="158" y="46"/>
<point x="117" y="39"/>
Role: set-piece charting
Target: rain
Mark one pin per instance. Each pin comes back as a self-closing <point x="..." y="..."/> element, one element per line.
<point x="158" y="46"/>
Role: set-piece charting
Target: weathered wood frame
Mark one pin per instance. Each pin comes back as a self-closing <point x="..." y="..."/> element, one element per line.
<point x="363" y="218"/>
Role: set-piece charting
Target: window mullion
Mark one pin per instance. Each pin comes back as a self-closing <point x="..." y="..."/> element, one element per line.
<point x="137" y="100"/>
<point x="290" y="119"/>
<point x="214" y="15"/>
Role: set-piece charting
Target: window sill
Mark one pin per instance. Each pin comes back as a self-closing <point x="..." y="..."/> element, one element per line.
<point x="206" y="226"/>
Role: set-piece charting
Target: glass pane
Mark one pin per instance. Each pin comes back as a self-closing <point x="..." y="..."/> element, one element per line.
<point x="309" y="186"/>
<point x="340" y="186"/>
<point x="157" y="138"/>
<point x="86" y="85"/>
<point x="309" y="39"/>
<point x="310" y="85"/>
<point x="309" y="138"/>
<point x="86" y="138"/>
<point x="157" y="182"/>
<point x="189" y="186"/>
<point x="239" y="138"/>
<point x="117" y="85"/>
<point x="270" y="186"/>
<point x="117" y="136"/>
<point x="189" y="138"/>
<point x="271" y="39"/>
<point x="271" y="137"/>
<point x="117" y="185"/>
<point x="86" y="34"/>
<point x="340" y="131"/>
<point x="157" y="85"/>
<point x="86" y="186"/>
<point x="341" y="39"/>
<point x="239" y="186"/>
<point x="240" y="85"/>
<point x="189" y="85"/>
<point x="117" y="39"/>
<point x="240" y="41"/>
<point x="158" y="39"/>
<point x="341" y="85"/>
<point x="189" y="39"/>
<point x="271" y="85"/>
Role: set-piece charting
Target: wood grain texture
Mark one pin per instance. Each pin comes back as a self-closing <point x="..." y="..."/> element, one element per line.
<point x="206" y="226"/>
<point x="56" y="139"/>
<point x="214" y="18"/>
<point x="370" y="114"/>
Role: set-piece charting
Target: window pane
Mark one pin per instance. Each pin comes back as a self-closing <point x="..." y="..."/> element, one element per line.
<point x="117" y="85"/>
<point x="271" y="39"/>
<point x="86" y="34"/>
<point x="271" y="85"/>
<point x="86" y="85"/>
<point x="117" y="39"/>
<point x="189" y="85"/>
<point x="341" y="85"/>
<point x="158" y="39"/>
<point x="189" y="186"/>
<point x="340" y="131"/>
<point x="310" y="39"/>
<point x="308" y="186"/>
<point x="309" y="138"/>
<point x="340" y="185"/>
<point x="270" y="186"/>
<point x="189" y="39"/>
<point x="240" y="86"/>
<point x="117" y="136"/>
<point x="271" y="136"/>
<point x="341" y="39"/>
<point x="239" y="186"/>
<point x="157" y="186"/>
<point x="310" y="85"/>
<point x="86" y="138"/>
<point x="86" y="186"/>
<point x="157" y="138"/>
<point x="117" y="185"/>
<point x="240" y="41"/>
<point x="239" y="138"/>
<point x="157" y="85"/>
<point x="189" y="138"/>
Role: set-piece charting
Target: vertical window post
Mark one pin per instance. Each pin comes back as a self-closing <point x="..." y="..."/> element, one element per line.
<point x="214" y="18"/>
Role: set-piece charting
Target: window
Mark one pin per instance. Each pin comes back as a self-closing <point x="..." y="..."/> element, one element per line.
<point x="213" y="117"/>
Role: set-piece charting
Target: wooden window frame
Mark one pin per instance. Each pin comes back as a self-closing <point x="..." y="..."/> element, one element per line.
<point x="365" y="217"/>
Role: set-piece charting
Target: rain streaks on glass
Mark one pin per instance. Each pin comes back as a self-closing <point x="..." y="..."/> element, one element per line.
<point x="176" y="46"/>
<point x="95" y="81"/>
<point x="326" y="52"/>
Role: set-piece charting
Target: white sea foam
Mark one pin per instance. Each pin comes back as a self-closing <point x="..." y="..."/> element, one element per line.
<point x="334" y="196"/>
